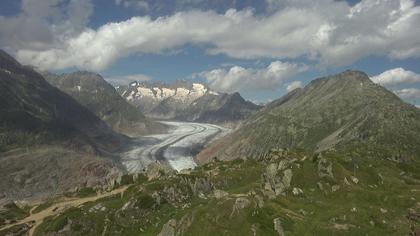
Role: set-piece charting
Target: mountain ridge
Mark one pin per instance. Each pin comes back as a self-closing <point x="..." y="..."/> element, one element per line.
<point x="340" y="111"/>
<point x="49" y="143"/>
<point x="100" y="97"/>
<point x="186" y="101"/>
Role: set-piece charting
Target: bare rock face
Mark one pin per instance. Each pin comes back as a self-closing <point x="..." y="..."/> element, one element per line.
<point x="177" y="227"/>
<point x="324" y="167"/>
<point x="157" y="170"/>
<point x="278" y="227"/>
<point x="259" y="201"/>
<point x="199" y="185"/>
<point x="169" y="228"/>
<point x="240" y="203"/>
<point x="277" y="178"/>
<point x="218" y="194"/>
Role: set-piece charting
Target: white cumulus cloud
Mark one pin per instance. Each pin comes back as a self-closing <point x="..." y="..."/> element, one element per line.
<point x="44" y="24"/>
<point x="404" y="83"/>
<point x="238" y="78"/>
<point x="294" y="85"/>
<point x="332" y="33"/>
<point x="395" y="77"/>
<point x="408" y="93"/>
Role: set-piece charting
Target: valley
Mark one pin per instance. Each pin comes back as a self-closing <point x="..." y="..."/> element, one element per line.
<point x="230" y="118"/>
<point x="175" y="148"/>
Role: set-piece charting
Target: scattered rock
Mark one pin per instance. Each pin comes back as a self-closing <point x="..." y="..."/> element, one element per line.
<point x="324" y="167"/>
<point x="202" y="195"/>
<point x="260" y="201"/>
<point x="254" y="229"/>
<point x="346" y="182"/>
<point x="218" y="194"/>
<point x="303" y="212"/>
<point x="381" y="178"/>
<point x="157" y="170"/>
<point x="383" y="210"/>
<point x="344" y="227"/>
<point x="278" y="227"/>
<point x="125" y="207"/>
<point x="354" y="179"/>
<point x="320" y="186"/>
<point x="98" y="207"/>
<point x="297" y="191"/>
<point x="240" y="203"/>
<point x="169" y="228"/>
<point x="156" y="197"/>
<point x="335" y="188"/>
<point x="67" y="227"/>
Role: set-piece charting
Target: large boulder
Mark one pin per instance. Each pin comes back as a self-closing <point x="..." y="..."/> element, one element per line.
<point x="277" y="178"/>
<point x="324" y="168"/>
<point x="278" y="227"/>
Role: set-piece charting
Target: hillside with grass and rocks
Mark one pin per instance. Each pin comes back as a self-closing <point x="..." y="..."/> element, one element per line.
<point x="288" y="192"/>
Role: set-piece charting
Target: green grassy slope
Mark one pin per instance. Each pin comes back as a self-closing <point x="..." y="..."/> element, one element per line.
<point x="361" y="196"/>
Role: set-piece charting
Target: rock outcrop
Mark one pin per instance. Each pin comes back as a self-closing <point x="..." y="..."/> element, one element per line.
<point x="277" y="177"/>
<point x="177" y="227"/>
<point x="278" y="227"/>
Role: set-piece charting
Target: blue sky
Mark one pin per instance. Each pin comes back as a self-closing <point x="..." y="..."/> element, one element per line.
<point x="259" y="48"/>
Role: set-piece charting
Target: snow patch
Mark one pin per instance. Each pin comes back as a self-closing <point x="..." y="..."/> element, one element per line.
<point x="145" y="92"/>
<point x="168" y="92"/>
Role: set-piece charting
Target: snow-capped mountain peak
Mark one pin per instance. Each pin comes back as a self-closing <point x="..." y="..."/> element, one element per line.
<point x="185" y="101"/>
<point x="185" y="93"/>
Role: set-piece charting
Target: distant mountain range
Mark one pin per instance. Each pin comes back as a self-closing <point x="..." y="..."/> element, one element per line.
<point x="346" y="111"/>
<point x="92" y="91"/>
<point x="187" y="101"/>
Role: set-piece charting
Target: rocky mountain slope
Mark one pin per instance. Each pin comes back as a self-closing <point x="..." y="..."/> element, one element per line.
<point x="186" y="101"/>
<point x="346" y="111"/>
<point x="92" y="91"/>
<point x="44" y="133"/>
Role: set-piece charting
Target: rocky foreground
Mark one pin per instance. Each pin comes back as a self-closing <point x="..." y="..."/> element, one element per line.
<point x="283" y="193"/>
